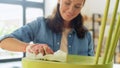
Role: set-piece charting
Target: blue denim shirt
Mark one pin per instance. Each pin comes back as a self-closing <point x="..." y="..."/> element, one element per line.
<point x="38" y="32"/>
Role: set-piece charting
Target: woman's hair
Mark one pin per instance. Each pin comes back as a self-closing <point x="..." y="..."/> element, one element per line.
<point x="56" y="23"/>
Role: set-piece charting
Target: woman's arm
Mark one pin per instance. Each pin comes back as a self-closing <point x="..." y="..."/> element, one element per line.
<point x="16" y="40"/>
<point x="13" y="44"/>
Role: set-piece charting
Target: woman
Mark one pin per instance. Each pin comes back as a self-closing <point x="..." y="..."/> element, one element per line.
<point x="62" y="30"/>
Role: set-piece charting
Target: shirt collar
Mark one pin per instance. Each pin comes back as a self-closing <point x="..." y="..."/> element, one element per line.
<point x="73" y="31"/>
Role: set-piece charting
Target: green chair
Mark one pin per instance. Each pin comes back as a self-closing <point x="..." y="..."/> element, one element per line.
<point x="75" y="61"/>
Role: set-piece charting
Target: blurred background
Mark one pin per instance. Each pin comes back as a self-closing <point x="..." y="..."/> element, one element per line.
<point x="16" y="13"/>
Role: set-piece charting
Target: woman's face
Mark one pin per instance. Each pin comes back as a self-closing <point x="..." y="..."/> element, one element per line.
<point x="69" y="9"/>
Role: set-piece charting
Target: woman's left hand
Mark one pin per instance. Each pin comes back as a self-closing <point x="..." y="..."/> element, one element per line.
<point x="39" y="48"/>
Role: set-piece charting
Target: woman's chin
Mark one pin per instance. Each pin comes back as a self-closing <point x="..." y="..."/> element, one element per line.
<point x="67" y="19"/>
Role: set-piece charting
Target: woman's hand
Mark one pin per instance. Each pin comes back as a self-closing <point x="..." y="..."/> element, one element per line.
<point x="39" y="48"/>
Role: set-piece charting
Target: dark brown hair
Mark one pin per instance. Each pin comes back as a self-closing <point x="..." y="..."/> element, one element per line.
<point x="55" y="23"/>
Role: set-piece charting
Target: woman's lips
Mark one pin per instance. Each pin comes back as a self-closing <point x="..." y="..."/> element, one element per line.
<point x="68" y="15"/>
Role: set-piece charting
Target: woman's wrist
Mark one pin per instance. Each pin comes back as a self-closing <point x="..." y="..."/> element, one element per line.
<point x="25" y="46"/>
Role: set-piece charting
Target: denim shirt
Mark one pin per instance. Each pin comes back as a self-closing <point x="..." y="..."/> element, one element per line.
<point x="38" y="32"/>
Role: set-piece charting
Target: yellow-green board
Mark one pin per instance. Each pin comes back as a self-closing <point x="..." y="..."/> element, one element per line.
<point x="74" y="61"/>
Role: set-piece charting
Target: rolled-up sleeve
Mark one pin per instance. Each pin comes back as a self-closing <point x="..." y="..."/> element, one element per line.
<point x="25" y="33"/>
<point x="90" y="45"/>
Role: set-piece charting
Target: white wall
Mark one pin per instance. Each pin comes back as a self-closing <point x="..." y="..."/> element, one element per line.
<point x="49" y="6"/>
<point x="93" y="6"/>
<point x="98" y="6"/>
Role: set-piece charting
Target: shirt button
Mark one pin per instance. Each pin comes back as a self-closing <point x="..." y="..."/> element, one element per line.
<point x="69" y="46"/>
<point x="58" y="43"/>
<point x="69" y="35"/>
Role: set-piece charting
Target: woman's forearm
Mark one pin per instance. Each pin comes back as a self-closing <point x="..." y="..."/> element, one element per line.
<point x="13" y="44"/>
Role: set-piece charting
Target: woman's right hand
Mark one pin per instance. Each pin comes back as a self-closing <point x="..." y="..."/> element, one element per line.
<point x="39" y="48"/>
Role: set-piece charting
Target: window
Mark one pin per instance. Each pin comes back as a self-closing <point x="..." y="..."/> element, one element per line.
<point x="14" y="15"/>
<point x="9" y="22"/>
<point x="32" y="13"/>
<point x="36" y="0"/>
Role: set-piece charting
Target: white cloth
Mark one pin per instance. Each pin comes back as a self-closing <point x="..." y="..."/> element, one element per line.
<point x="57" y="56"/>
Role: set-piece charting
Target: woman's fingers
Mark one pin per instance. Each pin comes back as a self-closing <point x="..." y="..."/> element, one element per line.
<point x="29" y="48"/>
<point x="39" y="48"/>
<point x="47" y="50"/>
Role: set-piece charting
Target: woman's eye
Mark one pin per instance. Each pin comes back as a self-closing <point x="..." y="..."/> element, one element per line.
<point x="77" y="6"/>
<point x="67" y="3"/>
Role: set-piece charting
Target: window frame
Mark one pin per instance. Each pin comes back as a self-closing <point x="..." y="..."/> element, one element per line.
<point x="25" y="4"/>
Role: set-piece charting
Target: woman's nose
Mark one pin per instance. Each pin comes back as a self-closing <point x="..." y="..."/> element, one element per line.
<point x="71" y="10"/>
